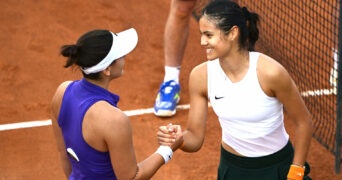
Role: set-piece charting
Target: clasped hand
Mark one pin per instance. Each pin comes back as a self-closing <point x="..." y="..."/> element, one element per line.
<point x="170" y="135"/>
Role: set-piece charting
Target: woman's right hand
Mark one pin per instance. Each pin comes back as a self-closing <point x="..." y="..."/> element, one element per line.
<point x="170" y="135"/>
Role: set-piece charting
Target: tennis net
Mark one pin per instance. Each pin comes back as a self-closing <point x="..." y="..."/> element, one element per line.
<point x="304" y="37"/>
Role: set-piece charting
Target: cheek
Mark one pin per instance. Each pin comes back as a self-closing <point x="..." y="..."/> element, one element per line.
<point x="120" y="66"/>
<point x="215" y="42"/>
<point x="223" y="45"/>
<point x="118" y="69"/>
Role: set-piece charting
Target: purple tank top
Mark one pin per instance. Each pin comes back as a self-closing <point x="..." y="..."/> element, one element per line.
<point x="78" y="97"/>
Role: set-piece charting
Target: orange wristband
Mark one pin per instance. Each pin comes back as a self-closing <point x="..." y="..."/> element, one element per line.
<point x="296" y="172"/>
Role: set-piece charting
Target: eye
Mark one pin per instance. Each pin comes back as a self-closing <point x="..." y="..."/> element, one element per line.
<point x="209" y="35"/>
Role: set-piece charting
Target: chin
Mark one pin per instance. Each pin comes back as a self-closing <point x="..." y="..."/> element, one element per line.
<point x="211" y="58"/>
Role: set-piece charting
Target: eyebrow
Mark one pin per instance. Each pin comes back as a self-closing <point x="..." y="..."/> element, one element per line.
<point x="206" y="32"/>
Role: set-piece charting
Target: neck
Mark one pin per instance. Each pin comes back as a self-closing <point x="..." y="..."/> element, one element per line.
<point x="102" y="83"/>
<point x="236" y="65"/>
<point x="235" y="62"/>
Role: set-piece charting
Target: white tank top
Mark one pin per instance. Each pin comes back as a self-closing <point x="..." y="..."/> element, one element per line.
<point x="252" y="122"/>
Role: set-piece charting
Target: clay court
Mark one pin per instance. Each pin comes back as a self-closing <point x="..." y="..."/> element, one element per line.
<point x="31" y="69"/>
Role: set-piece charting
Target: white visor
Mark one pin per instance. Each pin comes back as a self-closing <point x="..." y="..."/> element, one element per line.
<point x="123" y="43"/>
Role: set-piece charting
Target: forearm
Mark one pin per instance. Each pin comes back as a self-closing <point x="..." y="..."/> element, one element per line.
<point x="191" y="143"/>
<point x="148" y="167"/>
<point x="303" y="135"/>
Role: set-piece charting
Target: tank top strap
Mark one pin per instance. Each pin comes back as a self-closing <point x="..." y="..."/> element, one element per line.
<point x="253" y="60"/>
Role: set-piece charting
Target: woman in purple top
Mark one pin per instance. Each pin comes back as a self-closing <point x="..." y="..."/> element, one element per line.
<point x="94" y="136"/>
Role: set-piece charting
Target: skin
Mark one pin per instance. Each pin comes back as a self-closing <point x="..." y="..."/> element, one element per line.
<point x="107" y="129"/>
<point x="177" y="31"/>
<point x="273" y="78"/>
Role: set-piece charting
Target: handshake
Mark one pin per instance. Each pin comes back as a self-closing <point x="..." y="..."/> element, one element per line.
<point x="171" y="135"/>
<point x="170" y="138"/>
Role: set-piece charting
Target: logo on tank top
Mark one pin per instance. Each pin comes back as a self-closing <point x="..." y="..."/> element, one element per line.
<point x="218" y="97"/>
<point x="72" y="153"/>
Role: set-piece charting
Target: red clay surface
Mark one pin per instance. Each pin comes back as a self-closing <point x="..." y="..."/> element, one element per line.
<point x="31" y="69"/>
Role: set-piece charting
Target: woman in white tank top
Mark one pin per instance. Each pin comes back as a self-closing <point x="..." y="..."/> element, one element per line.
<point x="248" y="91"/>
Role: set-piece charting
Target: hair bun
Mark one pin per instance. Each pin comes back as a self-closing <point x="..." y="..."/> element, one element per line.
<point x="69" y="50"/>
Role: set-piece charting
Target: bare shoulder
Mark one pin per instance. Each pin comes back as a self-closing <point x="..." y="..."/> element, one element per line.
<point x="198" y="79"/>
<point x="199" y="72"/>
<point x="269" y="67"/>
<point x="61" y="88"/>
<point x="107" y="112"/>
<point x="58" y="96"/>
<point x="200" y="69"/>
<point x="109" y="119"/>
<point x="104" y="125"/>
<point x="272" y="75"/>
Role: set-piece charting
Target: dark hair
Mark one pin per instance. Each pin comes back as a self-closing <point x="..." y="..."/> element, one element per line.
<point x="226" y="14"/>
<point x="88" y="51"/>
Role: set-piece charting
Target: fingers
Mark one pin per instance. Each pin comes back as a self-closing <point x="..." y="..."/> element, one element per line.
<point x="165" y="136"/>
<point x="165" y="142"/>
<point x="170" y="128"/>
<point x="170" y="135"/>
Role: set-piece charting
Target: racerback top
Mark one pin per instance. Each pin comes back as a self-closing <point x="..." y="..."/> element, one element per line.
<point x="251" y="121"/>
<point x="77" y="99"/>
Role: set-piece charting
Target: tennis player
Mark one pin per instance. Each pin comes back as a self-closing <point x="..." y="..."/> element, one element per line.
<point x="176" y="34"/>
<point x="248" y="91"/>
<point x="94" y="136"/>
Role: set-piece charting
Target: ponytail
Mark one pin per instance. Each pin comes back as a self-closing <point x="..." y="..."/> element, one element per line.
<point x="253" y="32"/>
<point x="69" y="51"/>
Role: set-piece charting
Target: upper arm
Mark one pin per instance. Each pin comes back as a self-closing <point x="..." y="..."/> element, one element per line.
<point x="198" y="106"/>
<point x="55" y="107"/>
<point x="117" y="133"/>
<point x="283" y="87"/>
